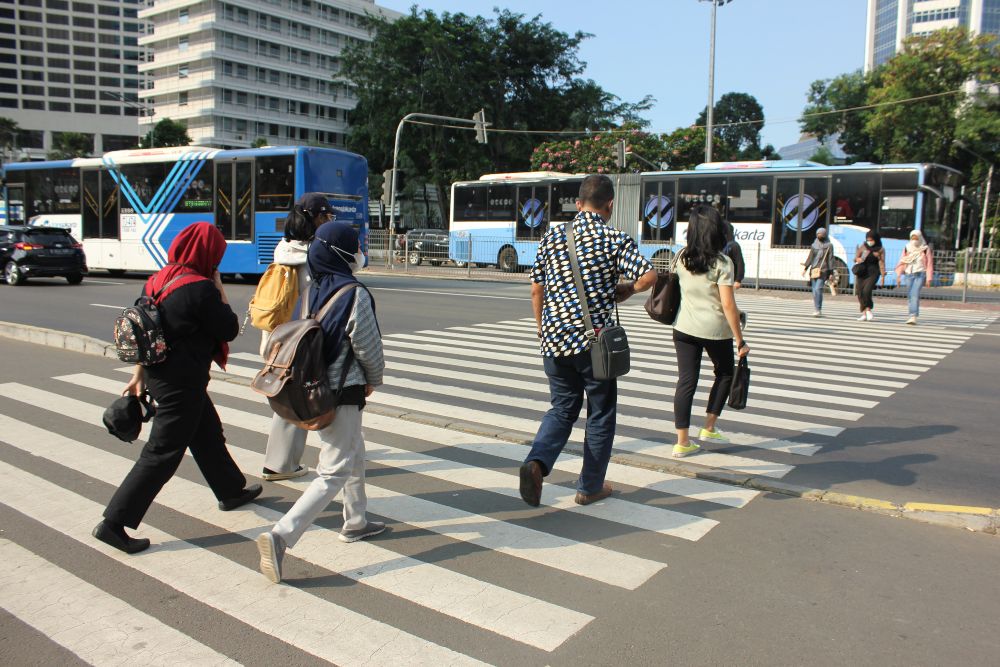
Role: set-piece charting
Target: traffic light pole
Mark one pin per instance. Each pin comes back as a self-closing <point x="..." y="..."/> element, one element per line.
<point x="479" y="124"/>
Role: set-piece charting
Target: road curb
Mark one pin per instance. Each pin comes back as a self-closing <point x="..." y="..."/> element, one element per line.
<point x="975" y="519"/>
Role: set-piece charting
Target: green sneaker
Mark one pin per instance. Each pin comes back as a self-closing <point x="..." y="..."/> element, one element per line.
<point x="714" y="436"/>
<point x="680" y="451"/>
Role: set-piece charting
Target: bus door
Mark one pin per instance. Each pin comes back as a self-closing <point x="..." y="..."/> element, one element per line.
<point x="801" y="206"/>
<point x="532" y="212"/>
<point x="234" y="199"/>
<point x="658" y="211"/>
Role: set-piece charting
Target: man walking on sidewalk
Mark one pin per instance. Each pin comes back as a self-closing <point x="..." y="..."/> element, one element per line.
<point x="605" y="254"/>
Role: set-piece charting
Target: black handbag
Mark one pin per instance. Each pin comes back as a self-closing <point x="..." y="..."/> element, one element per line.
<point x="609" y="351"/>
<point x="740" y="387"/>
<point x="664" y="300"/>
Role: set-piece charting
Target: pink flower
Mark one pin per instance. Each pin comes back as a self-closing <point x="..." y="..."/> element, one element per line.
<point x="600" y="170"/>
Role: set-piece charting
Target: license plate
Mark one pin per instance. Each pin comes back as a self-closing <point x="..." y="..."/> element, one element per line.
<point x="62" y="251"/>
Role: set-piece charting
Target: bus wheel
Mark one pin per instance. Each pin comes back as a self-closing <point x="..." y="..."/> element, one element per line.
<point x="662" y="259"/>
<point x="116" y="273"/>
<point x="507" y="259"/>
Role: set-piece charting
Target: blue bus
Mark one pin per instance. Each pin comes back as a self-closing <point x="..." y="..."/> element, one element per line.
<point x="126" y="207"/>
<point x="775" y="208"/>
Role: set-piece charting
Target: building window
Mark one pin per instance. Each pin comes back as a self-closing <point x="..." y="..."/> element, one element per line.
<point x="105" y="10"/>
<point x="182" y="98"/>
<point x="59" y="106"/>
<point x="85" y="108"/>
<point x="83" y="22"/>
<point x="33" y="90"/>
<point x="57" y="33"/>
<point x="105" y="38"/>
<point x="38" y="105"/>
<point x="114" y="26"/>
<point x="83" y="79"/>
<point x="110" y="53"/>
<point x="83" y="36"/>
<point x="109" y="67"/>
<point x="108" y="110"/>
<point x="30" y="16"/>
<point x="58" y="77"/>
<point x="84" y="94"/>
<point x="111" y="82"/>
<point x="31" y="30"/>
<point x="182" y="16"/>
<point x="182" y="72"/>
<point x="32" y="46"/>
<point x="83" y="7"/>
<point x="58" y="63"/>
<point x="82" y="50"/>
<point x="182" y="44"/>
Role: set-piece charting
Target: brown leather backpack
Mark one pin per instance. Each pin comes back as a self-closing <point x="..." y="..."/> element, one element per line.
<point x="294" y="376"/>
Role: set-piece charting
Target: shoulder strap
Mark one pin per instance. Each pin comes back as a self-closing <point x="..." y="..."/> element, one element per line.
<point x="156" y="297"/>
<point x="581" y="292"/>
<point x="329" y="304"/>
<point x="673" y="262"/>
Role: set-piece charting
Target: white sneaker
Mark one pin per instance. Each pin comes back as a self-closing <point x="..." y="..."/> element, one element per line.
<point x="912" y="320"/>
<point x="864" y="316"/>
<point x="869" y="315"/>
<point x="817" y="313"/>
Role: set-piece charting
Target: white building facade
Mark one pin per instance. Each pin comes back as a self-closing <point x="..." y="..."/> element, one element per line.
<point x="68" y="66"/>
<point x="892" y="21"/>
<point x="238" y="72"/>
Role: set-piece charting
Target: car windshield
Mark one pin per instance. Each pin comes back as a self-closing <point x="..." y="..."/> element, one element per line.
<point x="47" y="236"/>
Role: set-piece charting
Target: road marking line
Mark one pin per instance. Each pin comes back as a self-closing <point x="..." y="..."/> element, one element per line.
<point x="472" y="296"/>
<point x="479" y="603"/>
<point x="97" y="627"/>
<point x="104" y="305"/>
<point x="300" y="619"/>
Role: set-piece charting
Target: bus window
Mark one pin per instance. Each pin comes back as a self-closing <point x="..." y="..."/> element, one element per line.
<point x="109" y="206"/>
<point x="709" y="190"/>
<point x="91" y="180"/>
<point x="52" y="191"/>
<point x="801" y="206"/>
<point x="855" y="199"/>
<point x="470" y="202"/>
<point x="145" y="179"/>
<point x="275" y="184"/>
<point x="898" y="214"/>
<point x="658" y="211"/>
<point x="198" y="196"/>
<point x="501" y="202"/>
<point x="532" y="212"/>
<point x="564" y="195"/>
<point x="750" y="199"/>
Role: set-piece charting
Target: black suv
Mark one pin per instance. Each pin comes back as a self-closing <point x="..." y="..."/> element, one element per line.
<point x="28" y="252"/>
<point x="430" y="245"/>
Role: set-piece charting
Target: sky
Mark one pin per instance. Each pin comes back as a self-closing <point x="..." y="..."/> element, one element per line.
<point x="771" y="49"/>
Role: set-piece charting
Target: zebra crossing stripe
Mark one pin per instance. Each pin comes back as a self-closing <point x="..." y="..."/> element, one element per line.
<point x="98" y="628"/>
<point x="508" y="613"/>
<point x="877" y="370"/>
<point x="324" y="629"/>
<point x="642" y="361"/>
<point x="579" y="558"/>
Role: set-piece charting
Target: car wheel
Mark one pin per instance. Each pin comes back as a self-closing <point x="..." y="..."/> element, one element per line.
<point x="414" y="259"/>
<point x="507" y="260"/>
<point x="74" y="278"/>
<point x="662" y="259"/>
<point x="12" y="275"/>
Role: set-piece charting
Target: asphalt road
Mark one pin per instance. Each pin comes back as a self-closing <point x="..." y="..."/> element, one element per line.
<point x="779" y="581"/>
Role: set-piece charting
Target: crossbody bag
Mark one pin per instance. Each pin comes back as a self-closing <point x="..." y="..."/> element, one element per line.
<point x="609" y="351"/>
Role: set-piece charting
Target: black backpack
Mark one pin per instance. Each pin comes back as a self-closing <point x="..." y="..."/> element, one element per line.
<point x="294" y="376"/>
<point x="139" y="337"/>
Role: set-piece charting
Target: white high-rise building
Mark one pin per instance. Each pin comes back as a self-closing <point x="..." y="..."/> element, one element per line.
<point x="70" y="66"/>
<point x="238" y="71"/>
<point x="892" y="21"/>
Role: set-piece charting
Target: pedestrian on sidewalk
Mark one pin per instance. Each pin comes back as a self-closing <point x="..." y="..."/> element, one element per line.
<point x="916" y="266"/>
<point x="198" y="325"/>
<point x="734" y="252"/>
<point x="708" y="321"/>
<point x="286" y="442"/>
<point x="869" y="267"/>
<point x="351" y="336"/>
<point x="606" y="254"/>
<point x="819" y="267"/>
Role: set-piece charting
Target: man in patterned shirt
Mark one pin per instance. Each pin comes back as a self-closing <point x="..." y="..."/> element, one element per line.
<point x="604" y="255"/>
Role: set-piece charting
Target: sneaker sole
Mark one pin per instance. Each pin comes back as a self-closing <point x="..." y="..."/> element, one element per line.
<point x="708" y="438"/>
<point x="355" y="538"/>
<point x="268" y="562"/>
<point x="279" y="476"/>
<point x="680" y="455"/>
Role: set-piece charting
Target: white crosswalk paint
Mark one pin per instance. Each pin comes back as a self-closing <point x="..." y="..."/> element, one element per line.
<point x="490" y="607"/>
<point x="582" y="559"/>
<point x="97" y="627"/>
<point x="326" y="630"/>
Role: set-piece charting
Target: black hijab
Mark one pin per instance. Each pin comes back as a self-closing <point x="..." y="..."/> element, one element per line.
<point x="328" y="253"/>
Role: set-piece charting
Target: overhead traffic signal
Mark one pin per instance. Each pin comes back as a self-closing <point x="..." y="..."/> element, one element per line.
<point x="480" y="118"/>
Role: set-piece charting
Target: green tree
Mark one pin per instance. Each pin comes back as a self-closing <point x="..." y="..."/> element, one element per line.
<point x="826" y="97"/>
<point x="167" y="132"/>
<point x="524" y="73"/>
<point x="259" y="142"/>
<point x="68" y="145"/>
<point x="737" y="119"/>
<point x="823" y="155"/>
<point x="8" y="134"/>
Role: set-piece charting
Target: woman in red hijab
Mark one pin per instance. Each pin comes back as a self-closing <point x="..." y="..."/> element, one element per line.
<point x="198" y="325"/>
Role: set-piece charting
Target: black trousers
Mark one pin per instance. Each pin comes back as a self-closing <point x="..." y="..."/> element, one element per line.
<point x="185" y="417"/>
<point x="689" y="350"/>
<point x="866" y="286"/>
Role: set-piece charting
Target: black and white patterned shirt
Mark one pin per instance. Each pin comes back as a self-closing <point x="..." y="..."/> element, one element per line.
<point x="605" y="254"/>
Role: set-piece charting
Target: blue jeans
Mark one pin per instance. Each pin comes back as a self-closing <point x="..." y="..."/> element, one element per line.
<point x="569" y="378"/>
<point x="915" y="283"/>
<point x="817" y="287"/>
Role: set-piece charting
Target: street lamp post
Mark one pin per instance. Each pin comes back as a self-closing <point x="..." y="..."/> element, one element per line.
<point x="711" y="79"/>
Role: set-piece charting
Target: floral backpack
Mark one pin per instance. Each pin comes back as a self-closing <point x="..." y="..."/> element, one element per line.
<point x="139" y="337"/>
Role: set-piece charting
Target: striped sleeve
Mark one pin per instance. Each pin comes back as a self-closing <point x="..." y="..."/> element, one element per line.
<point x="362" y="329"/>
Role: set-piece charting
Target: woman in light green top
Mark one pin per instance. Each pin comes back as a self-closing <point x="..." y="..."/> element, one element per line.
<point x="708" y="321"/>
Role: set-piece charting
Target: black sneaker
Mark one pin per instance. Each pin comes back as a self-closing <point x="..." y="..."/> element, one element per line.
<point x="246" y="496"/>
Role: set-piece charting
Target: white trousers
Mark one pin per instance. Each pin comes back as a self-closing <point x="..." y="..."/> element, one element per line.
<point x="341" y="466"/>
<point x="285" y="445"/>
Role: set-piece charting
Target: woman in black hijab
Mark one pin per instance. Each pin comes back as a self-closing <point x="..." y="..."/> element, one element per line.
<point x="352" y="338"/>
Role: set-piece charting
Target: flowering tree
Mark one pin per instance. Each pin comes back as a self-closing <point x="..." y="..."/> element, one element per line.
<point x="596" y="153"/>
